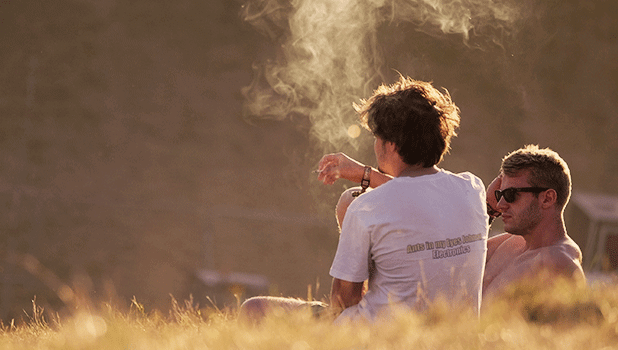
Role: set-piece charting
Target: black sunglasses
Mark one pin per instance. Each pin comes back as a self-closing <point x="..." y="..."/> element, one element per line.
<point x="510" y="194"/>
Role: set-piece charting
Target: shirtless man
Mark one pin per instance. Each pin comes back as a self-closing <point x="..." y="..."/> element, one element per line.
<point x="530" y="194"/>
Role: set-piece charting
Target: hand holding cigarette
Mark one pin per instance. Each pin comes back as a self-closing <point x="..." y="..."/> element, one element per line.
<point x="338" y="165"/>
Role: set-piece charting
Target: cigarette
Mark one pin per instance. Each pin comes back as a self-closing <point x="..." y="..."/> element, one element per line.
<point x="316" y="171"/>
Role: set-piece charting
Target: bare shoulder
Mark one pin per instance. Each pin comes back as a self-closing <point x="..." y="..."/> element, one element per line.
<point x="564" y="257"/>
<point x="566" y="249"/>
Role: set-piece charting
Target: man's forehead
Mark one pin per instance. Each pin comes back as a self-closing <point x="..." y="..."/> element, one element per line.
<point x="517" y="180"/>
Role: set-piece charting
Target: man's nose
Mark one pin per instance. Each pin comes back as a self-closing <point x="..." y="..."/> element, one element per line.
<point x="502" y="203"/>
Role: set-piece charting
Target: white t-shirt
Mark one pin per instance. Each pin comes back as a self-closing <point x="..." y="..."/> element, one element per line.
<point x="415" y="238"/>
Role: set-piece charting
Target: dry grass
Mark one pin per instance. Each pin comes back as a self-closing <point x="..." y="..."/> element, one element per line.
<point x="535" y="315"/>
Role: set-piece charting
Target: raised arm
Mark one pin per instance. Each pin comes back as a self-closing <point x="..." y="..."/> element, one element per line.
<point x="340" y="166"/>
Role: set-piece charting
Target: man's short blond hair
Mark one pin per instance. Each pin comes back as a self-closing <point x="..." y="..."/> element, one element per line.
<point x="546" y="167"/>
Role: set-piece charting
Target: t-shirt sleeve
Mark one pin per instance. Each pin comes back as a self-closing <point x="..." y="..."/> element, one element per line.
<point x="351" y="261"/>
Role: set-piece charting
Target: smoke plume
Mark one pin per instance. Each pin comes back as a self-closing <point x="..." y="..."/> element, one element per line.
<point x="329" y="55"/>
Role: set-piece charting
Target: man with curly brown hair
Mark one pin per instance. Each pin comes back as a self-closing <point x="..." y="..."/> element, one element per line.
<point x="421" y="234"/>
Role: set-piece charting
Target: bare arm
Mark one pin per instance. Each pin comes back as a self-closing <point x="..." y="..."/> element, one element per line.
<point x="494" y="242"/>
<point x="344" y="294"/>
<point x="339" y="166"/>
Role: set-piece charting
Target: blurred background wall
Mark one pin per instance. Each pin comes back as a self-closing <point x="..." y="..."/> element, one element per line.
<point x="128" y="164"/>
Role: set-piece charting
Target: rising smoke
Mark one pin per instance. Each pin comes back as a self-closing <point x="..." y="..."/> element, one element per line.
<point x="329" y="55"/>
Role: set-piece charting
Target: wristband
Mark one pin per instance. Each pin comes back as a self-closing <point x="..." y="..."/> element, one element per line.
<point x="364" y="182"/>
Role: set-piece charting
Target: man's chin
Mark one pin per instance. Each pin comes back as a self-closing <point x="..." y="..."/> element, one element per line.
<point x="510" y="229"/>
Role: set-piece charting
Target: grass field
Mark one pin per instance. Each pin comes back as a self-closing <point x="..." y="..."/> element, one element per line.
<point x="535" y="315"/>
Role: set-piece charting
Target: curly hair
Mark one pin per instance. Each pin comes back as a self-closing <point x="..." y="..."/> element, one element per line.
<point x="546" y="169"/>
<point x="415" y="116"/>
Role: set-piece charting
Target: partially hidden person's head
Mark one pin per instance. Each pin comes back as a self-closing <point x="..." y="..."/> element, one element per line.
<point x="546" y="169"/>
<point x="419" y="119"/>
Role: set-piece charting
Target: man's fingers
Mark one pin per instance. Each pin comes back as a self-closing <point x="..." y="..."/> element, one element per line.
<point x="329" y="175"/>
<point x="331" y="167"/>
<point x="327" y="159"/>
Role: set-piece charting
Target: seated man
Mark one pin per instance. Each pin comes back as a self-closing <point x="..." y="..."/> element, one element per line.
<point x="530" y="194"/>
<point x="416" y="237"/>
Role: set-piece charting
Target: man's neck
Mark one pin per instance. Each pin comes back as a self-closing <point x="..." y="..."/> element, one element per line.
<point x="416" y="170"/>
<point x="548" y="233"/>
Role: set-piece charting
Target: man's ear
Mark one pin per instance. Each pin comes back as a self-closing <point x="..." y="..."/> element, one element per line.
<point x="390" y="146"/>
<point x="549" y="198"/>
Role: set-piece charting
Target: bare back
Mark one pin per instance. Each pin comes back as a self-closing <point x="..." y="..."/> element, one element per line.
<point x="509" y="260"/>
